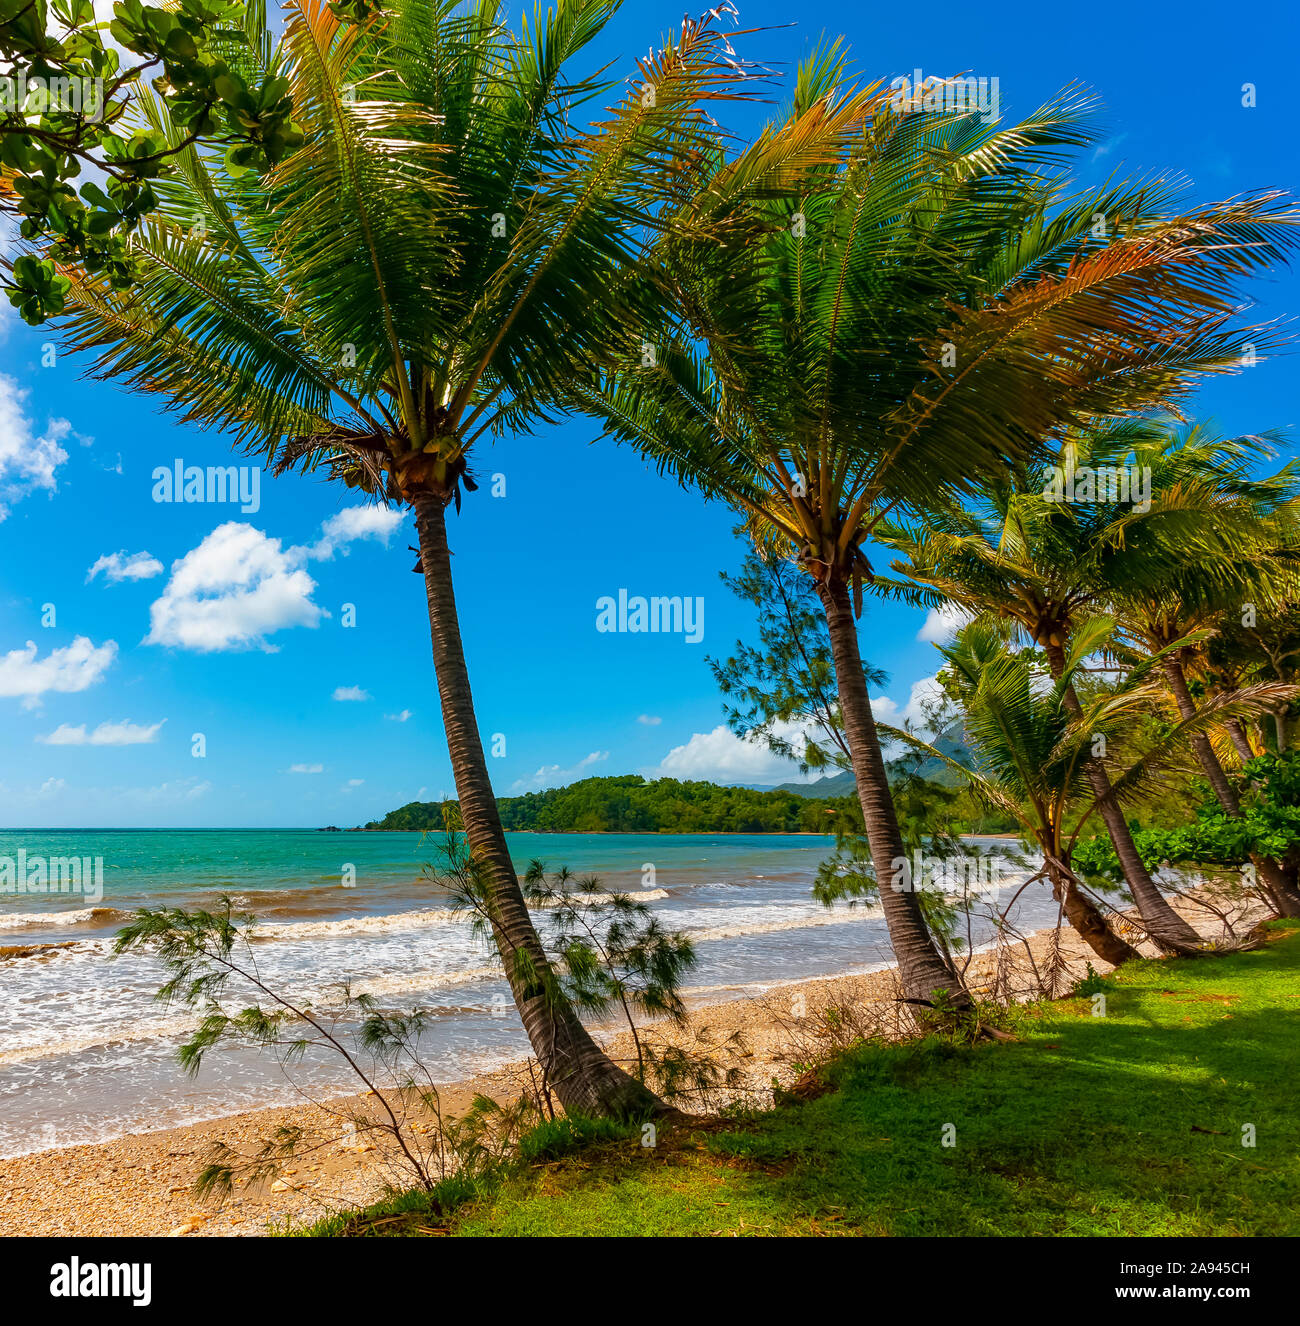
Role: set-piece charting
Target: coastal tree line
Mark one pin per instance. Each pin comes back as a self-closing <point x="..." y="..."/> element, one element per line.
<point x="631" y="804"/>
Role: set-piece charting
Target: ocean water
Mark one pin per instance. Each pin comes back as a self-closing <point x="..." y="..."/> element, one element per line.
<point x="87" y="1052"/>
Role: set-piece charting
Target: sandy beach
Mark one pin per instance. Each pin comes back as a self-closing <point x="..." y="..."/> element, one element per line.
<point x="143" y="1183"/>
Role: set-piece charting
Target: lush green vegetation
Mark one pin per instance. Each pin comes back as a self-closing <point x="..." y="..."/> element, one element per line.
<point x="629" y="804"/>
<point x="79" y="74"/>
<point x="1269" y="822"/>
<point x="1131" y="1123"/>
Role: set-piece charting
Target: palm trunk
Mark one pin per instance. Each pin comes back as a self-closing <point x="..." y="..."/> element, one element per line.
<point x="921" y="967"/>
<point x="1239" y="739"/>
<point x="1089" y="923"/>
<point x="1163" y="924"/>
<point x="1279" y="887"/>
<point x="581" y="1075"/>
<point x="1224" y="792"/>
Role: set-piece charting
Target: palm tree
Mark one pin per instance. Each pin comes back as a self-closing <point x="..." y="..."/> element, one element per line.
<point x="1265" y="647"/>
<point x="442" y="252"/>
<point x="1241" y="565"/>
<point x="926" y="312"/>
<point x="1032" y="747"/>
<point x="1045" y="564"/>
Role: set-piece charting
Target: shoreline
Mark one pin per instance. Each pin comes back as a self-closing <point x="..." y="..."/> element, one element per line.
<point x="670" y="833"/>
<point x="141" y="1183"/>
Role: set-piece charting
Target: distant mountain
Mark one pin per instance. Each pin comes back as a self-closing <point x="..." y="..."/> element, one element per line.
<point x="834" y="785"/>
<point x="951" y="742"/>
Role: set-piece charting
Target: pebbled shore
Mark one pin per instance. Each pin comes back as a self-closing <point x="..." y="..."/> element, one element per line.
<point x="142" y="1184"/>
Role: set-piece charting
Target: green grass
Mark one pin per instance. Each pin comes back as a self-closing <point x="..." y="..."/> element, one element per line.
<point x="1084" y="1125"/>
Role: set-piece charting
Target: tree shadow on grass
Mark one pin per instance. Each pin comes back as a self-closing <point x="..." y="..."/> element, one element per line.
<point x="1124" y="1124"/>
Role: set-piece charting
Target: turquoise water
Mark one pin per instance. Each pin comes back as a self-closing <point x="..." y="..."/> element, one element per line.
<point x="87" y="1053"/>
<point x="285" y="871"/>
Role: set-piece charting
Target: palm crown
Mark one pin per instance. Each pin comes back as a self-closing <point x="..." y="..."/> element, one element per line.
<point x="931" y="306"/>
<point x="1044" y="563"/>
<point x="444" y="250"/>
<point x="441" y="252"/>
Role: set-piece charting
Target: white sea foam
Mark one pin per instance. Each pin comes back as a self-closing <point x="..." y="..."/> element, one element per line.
<point x="119" y="1025"/>
<point x="396" y="921"/>
<point x="357" y="925"/>
<point x="138" y="1029"/>
<point x="645" y="895"/>
<point x="741" y="929"/>
<point x="54" y="920"/>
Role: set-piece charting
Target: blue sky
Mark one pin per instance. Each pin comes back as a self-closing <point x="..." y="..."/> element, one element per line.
<point x="102" y="695"/>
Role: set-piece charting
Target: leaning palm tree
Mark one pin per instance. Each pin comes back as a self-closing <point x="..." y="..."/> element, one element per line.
<point x="443" y="251"/>
<point x="1030" y="754"/>
<point x="1031" y="749"/>
<point x="1250" y="560"/>
<point x="929" y="310"/>
<point x="1135" y="513"/>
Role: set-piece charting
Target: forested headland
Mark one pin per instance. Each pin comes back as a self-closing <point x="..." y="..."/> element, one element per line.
<point x="628" y="803"/>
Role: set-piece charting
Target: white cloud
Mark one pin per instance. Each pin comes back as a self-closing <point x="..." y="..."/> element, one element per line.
<point x="355" y="782"/>
<point x="353" y="523"/>
<point x="67" y="670"/>
<point x="924" y="695"/>
<point x="307" y="768"/>
<point x="350" y="693"/>
<point x="399" y="718"/>
<point x="551" y="775"/>
<point x="722" y="757"/>
<point x="121" y="566"/>
<point x="238" y="586"/>
<point x="941" y="624"/>
<point x="57" y="803"/>
<point x="181" y="789"/>
<point x="231" y="592"/>
<point x="27" y="461"/>
<point x="650" y="720"/>
<point x="106" y="734"/>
